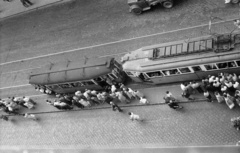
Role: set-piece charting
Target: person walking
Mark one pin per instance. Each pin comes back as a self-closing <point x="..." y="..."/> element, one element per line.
<point x="134" y="117"/>
<point x="236" y="122"/>
<point x="115" y="107"/>
<point x="30" y="116"/>
<point x="171" y="103"/>
<point x="26" y="3"/>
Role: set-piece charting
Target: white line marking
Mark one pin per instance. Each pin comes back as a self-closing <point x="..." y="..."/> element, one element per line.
<point x="19" y="70"/>
<point x="15" y="86"/>
<point x="114" y="42"/>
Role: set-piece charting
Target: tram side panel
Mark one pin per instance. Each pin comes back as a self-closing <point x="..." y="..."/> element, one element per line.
<point x="153" y="72"/>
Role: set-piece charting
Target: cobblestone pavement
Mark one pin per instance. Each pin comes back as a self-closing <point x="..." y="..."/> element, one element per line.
<point x="197" y="124"/>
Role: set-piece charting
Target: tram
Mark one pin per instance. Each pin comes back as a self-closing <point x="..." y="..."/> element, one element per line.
<point x="184" y="60"/>
<point x="71" y="76"/>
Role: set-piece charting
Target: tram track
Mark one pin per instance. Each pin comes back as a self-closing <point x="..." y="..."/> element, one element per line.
<point x="36" y="61"/>
<point x="116" y="42"/>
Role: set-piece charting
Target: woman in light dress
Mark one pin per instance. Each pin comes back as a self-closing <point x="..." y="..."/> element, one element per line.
<point x="219" y="97"/>
<point x="229" y="100"/>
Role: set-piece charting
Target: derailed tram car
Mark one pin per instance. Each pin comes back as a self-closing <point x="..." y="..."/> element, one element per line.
<point x="184" y="60"/>
<point x="71" y="76"/>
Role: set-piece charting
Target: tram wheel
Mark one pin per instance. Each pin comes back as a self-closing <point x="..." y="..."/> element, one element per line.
<point x="167" y="4"/>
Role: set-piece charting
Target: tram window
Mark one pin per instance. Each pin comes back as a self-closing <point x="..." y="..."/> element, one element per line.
<point x="116" y="72"/>
<point x="129" y="73"/>
<point x="238" y="63"/>
<point x="210" y="67"/>
<point x="226" y="65"/>
<point x="98" y="79"/>
<point x="196" y="68"/>
<point x="76" y="84"/>
<point x="154" y="74"/>
<point x="170" y="72"/>
<point x="231" y="64"/>
<point x="87" y="83"/>
<point x="184" y="70"/>
<point x="117" y="64"/>
<point x="50" y="87"/>
<point x="112" y="76"/>
<point x="66" y="85"/>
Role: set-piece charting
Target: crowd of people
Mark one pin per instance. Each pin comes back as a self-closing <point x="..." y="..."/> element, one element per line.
<point x="12" y="106"/>
<point x="225" y="87"/>
<point x="112" y="94"/>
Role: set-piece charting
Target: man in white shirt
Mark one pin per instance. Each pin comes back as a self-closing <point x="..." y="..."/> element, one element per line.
<point x="236" y="85"/>
<point x="134" y="116"/>
<point x="211" y="79"/>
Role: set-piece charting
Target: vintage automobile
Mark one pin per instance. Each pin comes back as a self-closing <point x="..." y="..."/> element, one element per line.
<point x="138" y="6"/>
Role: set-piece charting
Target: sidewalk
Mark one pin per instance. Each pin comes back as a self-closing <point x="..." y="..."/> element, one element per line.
<point x="15" y="7"/>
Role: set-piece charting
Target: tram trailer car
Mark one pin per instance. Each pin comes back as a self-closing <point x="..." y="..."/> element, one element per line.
<point x="184" y="60"/>
<point x="71" y="76"/>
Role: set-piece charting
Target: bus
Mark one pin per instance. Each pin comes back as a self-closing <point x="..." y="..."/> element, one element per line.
<point x="184" y="60"/>
<point x="71" y="76"/>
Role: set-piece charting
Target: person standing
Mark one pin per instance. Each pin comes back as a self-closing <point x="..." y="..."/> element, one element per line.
<point x="143" y="100"/>
<point x="237" y="97"/>
<point x="228" y="100"/>
<point x="134" y="117"/>
<point x="121" y="97"/>
<point x="220" y="98"/>
<point x="197" y="86"/>
<point x="208" y="96"/>
<point x="186" y="93"/>
<point x="138" y="94"/>
<point x="115" y="107"/>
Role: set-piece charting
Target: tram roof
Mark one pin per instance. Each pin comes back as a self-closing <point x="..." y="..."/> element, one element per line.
<point x="183" y="52"/>
<point x="183" y="47"/>
<point x="70" y="71"/>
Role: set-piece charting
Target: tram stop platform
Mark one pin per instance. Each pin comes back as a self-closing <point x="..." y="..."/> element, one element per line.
<point x="13" y="8"/>
<point x="154" y="94"/>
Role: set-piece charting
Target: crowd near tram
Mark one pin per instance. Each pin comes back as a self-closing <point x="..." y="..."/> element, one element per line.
<point x="209" y="66"/>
